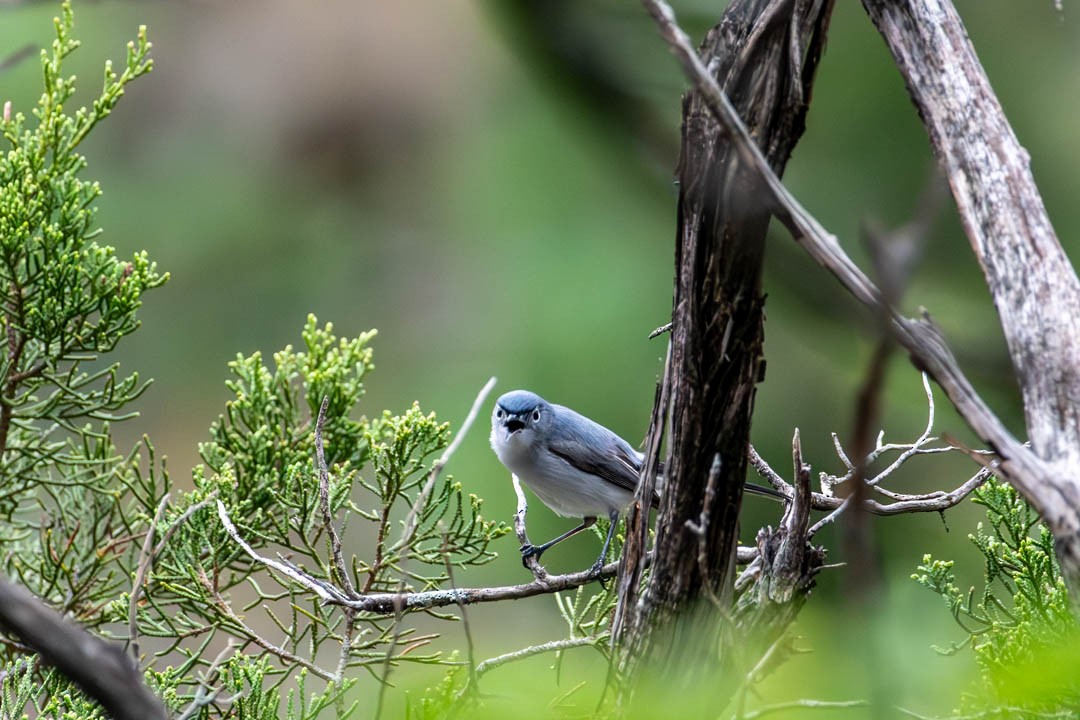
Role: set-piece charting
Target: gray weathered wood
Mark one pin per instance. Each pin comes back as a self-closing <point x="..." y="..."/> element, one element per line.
<point x="1033" y="285"/>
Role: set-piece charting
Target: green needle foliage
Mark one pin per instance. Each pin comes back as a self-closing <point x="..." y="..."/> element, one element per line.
<point x="71" y="504"/>
<point x="259" y="465"/>
<point x="1018" y="625"/>
<point x="103" y="537"/>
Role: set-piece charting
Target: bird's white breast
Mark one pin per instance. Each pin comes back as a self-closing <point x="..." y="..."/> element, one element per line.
<point x="562" y="487"/>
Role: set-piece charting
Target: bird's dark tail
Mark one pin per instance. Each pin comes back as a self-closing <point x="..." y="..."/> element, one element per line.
<point x="765" y="491"/>
<point x="749" y="487"/>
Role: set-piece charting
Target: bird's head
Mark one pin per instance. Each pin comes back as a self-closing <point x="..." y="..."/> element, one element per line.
<point x="517" y="418"/>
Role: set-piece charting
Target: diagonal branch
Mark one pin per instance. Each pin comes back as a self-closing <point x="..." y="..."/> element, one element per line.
<point x="100" y="669"/>
<point x="1053" y="495"/>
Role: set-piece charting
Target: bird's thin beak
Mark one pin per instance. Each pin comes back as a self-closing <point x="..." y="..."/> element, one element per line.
<point x="513" y="424"/>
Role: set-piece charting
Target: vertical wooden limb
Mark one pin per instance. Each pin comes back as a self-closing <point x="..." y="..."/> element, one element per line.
<point x="1032" y="282"/>
<point x="764" y="54"/>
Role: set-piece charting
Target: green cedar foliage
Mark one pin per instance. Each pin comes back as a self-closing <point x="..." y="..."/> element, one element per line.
<point x="70" y="503"/>
<point x="219" y="634"/>
<point x="1018" y="625"/>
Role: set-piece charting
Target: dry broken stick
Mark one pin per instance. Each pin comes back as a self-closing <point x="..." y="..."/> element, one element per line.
<point x="935" y="501"/>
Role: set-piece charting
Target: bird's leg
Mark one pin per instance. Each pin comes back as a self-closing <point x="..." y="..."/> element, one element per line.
<point x="528" y="551"/>
<point x="613" y="516"/>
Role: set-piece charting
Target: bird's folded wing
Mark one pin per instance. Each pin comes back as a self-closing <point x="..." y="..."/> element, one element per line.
<point x="612" y="463"/>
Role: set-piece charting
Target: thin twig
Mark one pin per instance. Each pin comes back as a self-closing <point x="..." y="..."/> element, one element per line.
<point x="413" y="517"/>
<point x="531" y="562"/>
<point x="660" y="330"/>
<point x="805" y="705"/>
<point x="146" y="562"/>
<point x="751" y="677"/>
<point x="324" y="502"/>
<point x="204" y="694"/>
<point x="552" y="646"/>
<point x="325" y="591"/>
<point x="995" y="712"/>
<point x="935" y="501"/>
<point x="146" y="559"/>
<point x="470" y="648"/>
<point x="179" y="522"/>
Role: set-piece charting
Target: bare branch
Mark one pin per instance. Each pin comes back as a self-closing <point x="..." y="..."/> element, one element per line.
<point x="250" y="633"/>
<point x="531" y="562"/>
<point x="388" y="603"/>
<point x="805" y="705"/>
<point x="147" y="555"/>
<point x="935" y="501"/>
<point x="146" y="559"/>
<point x="324" y="502"/>
<point x="204" y="693"/>
<point x="552" y="646"/>
<point x="100" y="669"/>
<point x="665" y="328"/>
<point x="325" y="591"/>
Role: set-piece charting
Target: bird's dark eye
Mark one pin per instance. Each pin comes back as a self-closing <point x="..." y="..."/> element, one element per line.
<point x="499" y="414"/>
<point x="536" y="415"/>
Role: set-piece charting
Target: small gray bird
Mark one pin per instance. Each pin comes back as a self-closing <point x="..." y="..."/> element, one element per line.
<point x="577" y="467"/>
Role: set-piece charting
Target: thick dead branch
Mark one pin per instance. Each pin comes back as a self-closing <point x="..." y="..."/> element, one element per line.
<point x="765" y="53"/>
<point x="102" y="670"/>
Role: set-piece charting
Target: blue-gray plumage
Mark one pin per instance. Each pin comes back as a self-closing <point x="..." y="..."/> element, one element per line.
<point x="577" y="467"/>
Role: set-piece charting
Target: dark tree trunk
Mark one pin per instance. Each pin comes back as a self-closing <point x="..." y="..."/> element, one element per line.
<point x="764" y="54"/>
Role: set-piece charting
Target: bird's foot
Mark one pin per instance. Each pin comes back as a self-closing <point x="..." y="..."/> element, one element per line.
<point x="529" y="550"/>
<point x="595" y="570"/>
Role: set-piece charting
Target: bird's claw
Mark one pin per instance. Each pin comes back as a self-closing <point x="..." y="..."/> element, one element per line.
<point x="595" y="570"/>
<point x="527" y="551"/>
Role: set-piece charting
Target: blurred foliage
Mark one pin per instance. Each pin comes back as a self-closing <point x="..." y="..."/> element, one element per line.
<point x="1019" y="626"/>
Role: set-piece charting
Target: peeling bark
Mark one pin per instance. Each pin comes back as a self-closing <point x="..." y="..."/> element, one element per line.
<point x="1033" y="285"/>
<point x="764" y="54"/>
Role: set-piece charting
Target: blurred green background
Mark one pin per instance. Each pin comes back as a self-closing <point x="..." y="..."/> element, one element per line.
<point x="489" y="184"/>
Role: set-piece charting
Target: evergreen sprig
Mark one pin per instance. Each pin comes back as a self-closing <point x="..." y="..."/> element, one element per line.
<point x="71" y="504"/>
<point x="260" y="465"/>
<point x="1018" y="624"/>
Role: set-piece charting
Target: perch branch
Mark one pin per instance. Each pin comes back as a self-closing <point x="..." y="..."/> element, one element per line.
<point x="390" y="603"/>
